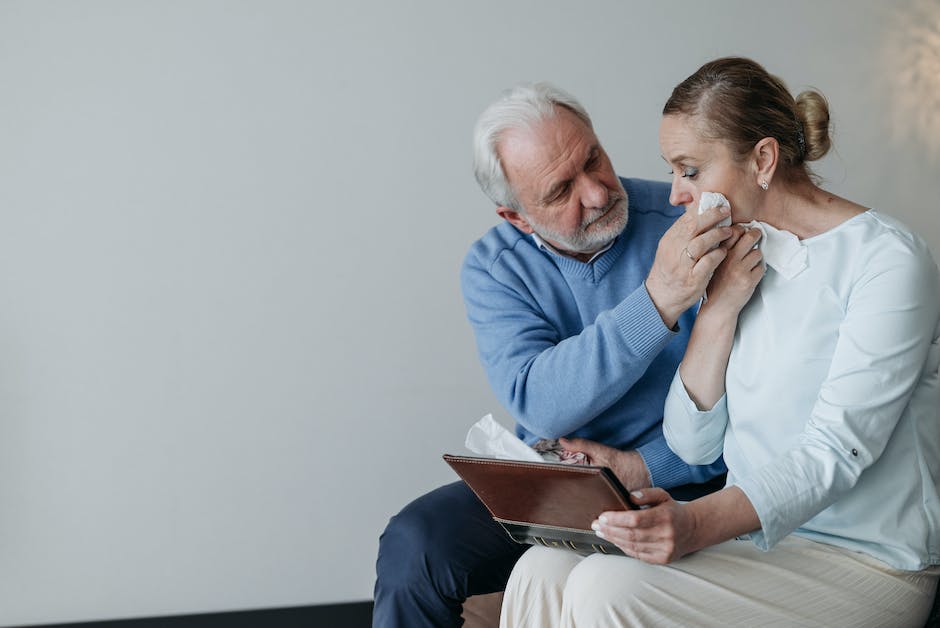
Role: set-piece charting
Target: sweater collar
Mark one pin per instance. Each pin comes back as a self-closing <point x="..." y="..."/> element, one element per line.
<point x="545" y="246"/>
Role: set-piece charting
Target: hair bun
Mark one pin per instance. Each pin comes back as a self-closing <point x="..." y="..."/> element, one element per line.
<point x="813" y="112"/>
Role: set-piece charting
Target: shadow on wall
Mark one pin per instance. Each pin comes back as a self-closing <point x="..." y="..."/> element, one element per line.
<point x="912" y="57"/>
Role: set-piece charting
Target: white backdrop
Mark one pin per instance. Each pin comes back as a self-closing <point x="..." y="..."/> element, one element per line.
<point x="232" y="342"/>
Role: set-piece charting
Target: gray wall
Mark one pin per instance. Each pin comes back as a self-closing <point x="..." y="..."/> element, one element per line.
<point x="231" y="336"/>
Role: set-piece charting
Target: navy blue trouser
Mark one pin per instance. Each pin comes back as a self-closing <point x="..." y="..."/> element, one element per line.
<point x="439" y="550"/>
<point x="444" y="547"/>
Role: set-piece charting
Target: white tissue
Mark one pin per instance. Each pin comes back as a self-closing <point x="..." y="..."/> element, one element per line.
<point x="781" y="250"/>
<point x="714" y="199"/>
<point x="488" y="438"/>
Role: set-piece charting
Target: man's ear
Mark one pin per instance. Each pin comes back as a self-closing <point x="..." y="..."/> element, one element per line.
<point x="515" y="218"/>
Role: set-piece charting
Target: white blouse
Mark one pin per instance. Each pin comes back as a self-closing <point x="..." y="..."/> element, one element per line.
<point x="830" y="422"/>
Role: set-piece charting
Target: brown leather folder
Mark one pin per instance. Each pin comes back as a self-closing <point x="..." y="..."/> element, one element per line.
<point x="545" y="503"/>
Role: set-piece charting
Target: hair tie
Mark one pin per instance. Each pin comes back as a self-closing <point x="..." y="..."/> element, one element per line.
<point x="801" y="140"/>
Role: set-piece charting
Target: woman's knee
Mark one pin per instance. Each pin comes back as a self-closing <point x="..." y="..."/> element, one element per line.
<point x="542" y="568"/>
<point x="605" y="590"/>
<point x="616" y="575"/>
<point x="536" y="586"/>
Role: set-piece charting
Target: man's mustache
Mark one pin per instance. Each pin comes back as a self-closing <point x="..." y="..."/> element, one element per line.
<point x="612" y="202"/>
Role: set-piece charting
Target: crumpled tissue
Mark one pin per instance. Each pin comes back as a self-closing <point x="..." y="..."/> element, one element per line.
<point x="714" y="199"/>
<point x="783" y="251"/>
<point x="488" y="438"/>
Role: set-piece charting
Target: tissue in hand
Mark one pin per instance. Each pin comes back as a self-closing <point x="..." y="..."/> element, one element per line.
<point x="714" y="199"/>
<point x="488" y="438"/>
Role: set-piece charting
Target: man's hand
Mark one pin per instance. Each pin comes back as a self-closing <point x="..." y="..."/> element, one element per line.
<point x="687" y="256"/>
<point x="628" y="466"/>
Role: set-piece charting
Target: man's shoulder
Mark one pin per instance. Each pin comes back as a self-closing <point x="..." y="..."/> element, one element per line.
<point x="650" y="197"/>
<point x="500" y="240"/>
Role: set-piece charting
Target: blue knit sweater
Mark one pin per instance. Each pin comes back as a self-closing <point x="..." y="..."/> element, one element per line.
<point x="579" y="349"/>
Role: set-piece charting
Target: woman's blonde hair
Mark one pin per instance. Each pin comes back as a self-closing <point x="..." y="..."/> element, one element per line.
<point x="740" y="103"/>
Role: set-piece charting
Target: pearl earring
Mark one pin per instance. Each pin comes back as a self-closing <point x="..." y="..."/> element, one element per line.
<point x="764" y="185"/>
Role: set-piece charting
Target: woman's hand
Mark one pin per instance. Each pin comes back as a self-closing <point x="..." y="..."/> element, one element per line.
<point x="738" y="274"/>
<point x="731" y="287"/>
<point x="686" y="257"/>
<point x="665" y="530"/>
<point x="659" y="534"/>
<point x="628" y="466"/>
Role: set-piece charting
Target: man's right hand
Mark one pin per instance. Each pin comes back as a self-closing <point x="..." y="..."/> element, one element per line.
<point x="687" y="256"/>
<point x="628" y="466"/>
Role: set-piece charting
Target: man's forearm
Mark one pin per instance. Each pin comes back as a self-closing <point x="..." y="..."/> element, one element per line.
<point x="553" y="389"/>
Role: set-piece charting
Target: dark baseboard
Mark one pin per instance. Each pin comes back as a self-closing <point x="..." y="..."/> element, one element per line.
<point x="351" y="615"/>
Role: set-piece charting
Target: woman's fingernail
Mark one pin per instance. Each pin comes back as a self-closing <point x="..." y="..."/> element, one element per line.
<point x="599" y="533"/>
<point x="602" y="519"/>
<point x="637" y="494"/>
<point x="595" y="526"/>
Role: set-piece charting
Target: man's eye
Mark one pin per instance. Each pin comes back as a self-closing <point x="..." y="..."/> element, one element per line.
<point x="560" y="194"/>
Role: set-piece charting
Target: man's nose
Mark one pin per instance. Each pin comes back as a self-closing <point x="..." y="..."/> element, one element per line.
<point x="594" y="194"/>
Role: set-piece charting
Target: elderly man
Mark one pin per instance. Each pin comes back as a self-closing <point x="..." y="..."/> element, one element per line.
<point x="582" y="300"/>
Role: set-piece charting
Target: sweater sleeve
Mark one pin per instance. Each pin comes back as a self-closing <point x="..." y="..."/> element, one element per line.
<point x="552" y="385"/>
<point x="668" y="470"/>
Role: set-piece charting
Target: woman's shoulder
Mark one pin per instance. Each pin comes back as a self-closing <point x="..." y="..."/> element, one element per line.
<point x="871" y="245"/>
<point x="886" y="247"/>
<point x="866" y="227"/>
<point x="893" y="235"/>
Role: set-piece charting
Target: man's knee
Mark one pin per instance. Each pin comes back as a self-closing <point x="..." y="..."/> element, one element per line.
<point x="425" y="542"/>
<point x="404" y="547"/>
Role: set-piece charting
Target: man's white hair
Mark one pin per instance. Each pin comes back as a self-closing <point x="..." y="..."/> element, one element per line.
<point x="518" y="107"/>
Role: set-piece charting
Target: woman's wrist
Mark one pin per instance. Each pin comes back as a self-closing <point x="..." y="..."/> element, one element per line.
<point x="719" y="313"/>
<point x="720" y="517"/>
<point x="702" y="369"/>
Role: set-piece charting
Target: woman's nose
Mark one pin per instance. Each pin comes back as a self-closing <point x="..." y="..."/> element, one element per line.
<point x="679" y="195"/>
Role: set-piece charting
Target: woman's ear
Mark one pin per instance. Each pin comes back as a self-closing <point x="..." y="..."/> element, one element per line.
<point x="766" y="155"/>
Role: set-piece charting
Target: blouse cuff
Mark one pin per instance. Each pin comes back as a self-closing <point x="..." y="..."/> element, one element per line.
<point x="768" y="534"/>
<point x="697" y="436"/>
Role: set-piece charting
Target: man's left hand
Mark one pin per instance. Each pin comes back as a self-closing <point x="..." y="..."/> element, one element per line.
<point x="628" y="466"/>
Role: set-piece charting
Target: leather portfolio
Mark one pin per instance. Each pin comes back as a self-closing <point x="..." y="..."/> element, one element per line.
<point x="545" y="503"/>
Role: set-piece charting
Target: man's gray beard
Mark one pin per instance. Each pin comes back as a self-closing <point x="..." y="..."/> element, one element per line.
<point x="583" y="242"/>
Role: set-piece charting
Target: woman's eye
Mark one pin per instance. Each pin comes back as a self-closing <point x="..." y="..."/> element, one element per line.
<point x="690" y="173"/>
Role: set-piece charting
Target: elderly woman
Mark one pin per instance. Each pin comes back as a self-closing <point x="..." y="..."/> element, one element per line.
<point x="812" y="366"/>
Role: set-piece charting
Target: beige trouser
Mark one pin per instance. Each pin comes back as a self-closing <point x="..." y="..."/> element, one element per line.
<point x="798" y="583"/>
